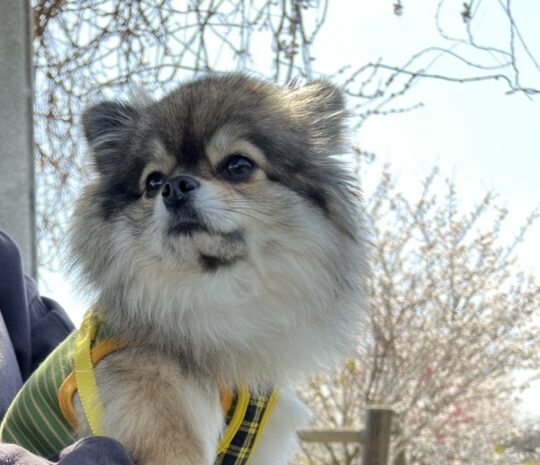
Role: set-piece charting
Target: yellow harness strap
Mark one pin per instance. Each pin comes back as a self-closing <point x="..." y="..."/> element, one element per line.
<point x="84" y="374"/>
<point x="85" y="381"/>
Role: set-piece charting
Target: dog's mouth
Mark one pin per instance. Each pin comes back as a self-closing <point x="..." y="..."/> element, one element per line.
<point x="212" y="249"/>
<point x="186" y="228"/>
<point x="186" y="222"/>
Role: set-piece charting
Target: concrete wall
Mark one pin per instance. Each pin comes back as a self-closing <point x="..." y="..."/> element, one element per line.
<point x="17" y="209"/>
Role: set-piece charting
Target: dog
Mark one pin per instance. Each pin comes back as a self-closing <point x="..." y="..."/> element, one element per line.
<point x="222" y="239"/>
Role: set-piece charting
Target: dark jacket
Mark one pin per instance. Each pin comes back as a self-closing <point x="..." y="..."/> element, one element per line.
<point x="31" y="326"/>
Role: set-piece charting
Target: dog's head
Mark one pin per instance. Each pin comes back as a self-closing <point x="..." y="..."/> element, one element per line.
<point x="221" y="222"/>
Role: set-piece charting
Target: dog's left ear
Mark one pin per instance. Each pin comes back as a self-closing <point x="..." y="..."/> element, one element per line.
<point x="322" y="97"/>
<point x="322" y="106"/>
<point x="106" y="127"/>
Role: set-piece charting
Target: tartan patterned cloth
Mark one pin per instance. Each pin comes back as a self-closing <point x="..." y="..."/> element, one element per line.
<point x="36" y="421"/>
<point x="250" y="430"/>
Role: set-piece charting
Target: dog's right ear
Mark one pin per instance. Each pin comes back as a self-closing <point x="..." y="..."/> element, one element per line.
<point x="106" y="126"/>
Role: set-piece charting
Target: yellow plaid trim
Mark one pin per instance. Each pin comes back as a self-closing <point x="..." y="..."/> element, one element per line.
<point x="241" y="405"/>
<point x="250" y="431"/>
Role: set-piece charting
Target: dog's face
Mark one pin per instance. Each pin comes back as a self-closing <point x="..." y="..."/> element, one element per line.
<point x="219" y="217"/>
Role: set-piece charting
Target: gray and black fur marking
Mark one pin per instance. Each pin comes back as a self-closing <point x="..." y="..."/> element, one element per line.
<point x="297" y="138"/>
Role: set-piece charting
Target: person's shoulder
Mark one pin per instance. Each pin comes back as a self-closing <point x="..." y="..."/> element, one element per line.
<point x="9" y="252"/>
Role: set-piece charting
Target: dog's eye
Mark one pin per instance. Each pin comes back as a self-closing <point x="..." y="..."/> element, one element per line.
<point x="154" y="181"/>
<point x="236" y="167"/>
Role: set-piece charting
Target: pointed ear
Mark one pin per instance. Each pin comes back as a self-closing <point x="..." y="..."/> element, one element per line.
<point x="106" y="127"/>
<point x="322" y="96"/>
<point x="322" y="105"/>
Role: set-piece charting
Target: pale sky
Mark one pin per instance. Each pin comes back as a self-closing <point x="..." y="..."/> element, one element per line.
<point x="478" y="135"/>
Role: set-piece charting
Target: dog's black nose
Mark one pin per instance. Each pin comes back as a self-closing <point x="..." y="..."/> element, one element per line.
<point x="176" y="190"/>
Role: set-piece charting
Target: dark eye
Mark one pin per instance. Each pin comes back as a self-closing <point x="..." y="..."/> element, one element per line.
<point x="154" y="181"/>
<point x="236" y="167"/>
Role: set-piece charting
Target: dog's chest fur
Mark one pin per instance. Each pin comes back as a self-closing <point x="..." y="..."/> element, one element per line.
<point x="163" y="416"/>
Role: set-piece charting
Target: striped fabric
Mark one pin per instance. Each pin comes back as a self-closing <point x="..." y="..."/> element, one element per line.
<point x="36" y="421"/>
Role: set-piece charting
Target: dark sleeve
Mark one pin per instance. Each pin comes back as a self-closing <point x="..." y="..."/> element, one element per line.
<point x="35" y="325"/>
<point x="88" y="451"/>
<point x="13" y="303"/>
<point x="49" y="324"/>
<point x="10" y="376"/>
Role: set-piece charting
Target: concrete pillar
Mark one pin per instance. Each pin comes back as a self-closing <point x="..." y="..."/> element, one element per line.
<point x="17" y="204"/>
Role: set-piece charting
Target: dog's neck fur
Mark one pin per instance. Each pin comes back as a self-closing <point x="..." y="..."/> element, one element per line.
<point x="211" y="324"/>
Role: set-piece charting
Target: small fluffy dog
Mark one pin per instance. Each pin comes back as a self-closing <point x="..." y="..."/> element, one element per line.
<point x="221" y="238"/>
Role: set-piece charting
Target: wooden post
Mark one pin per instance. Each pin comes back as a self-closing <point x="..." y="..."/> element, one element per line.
<point x="330" y="435"/>
<point x="377" y="436"/>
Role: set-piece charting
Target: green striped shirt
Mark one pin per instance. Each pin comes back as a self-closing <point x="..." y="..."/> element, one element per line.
<point x="34" y="420"/>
